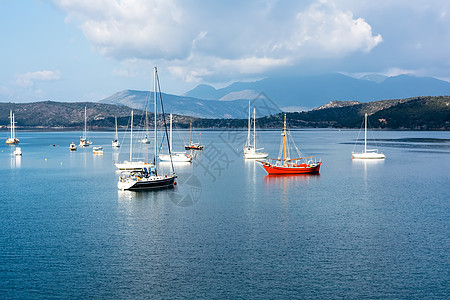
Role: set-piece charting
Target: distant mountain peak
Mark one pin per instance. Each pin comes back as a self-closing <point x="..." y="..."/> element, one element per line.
<point x="244" y="94"/>
<point x="378" y="78"/>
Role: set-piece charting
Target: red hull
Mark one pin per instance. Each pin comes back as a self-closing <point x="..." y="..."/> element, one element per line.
<point x="290" y="169"/>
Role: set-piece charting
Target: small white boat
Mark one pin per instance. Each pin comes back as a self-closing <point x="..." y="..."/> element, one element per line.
<point x="97" y="150"/>
<point x="250" y="151"/>
<point x="12" y="140"/>
<point x="73" y="147"/>
<point x="115" y="142"/>
<point x="367" y="153"/>
<point x="18" y="151"/>
<point x="174" y="156"/>
<point x="84" y="142"/>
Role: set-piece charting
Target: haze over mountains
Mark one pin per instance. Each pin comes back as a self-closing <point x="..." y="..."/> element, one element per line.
<point x="286" y="94"/>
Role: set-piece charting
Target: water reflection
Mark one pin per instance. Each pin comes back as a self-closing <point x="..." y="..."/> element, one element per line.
<point x="366" y="164"/>
<point x="16" y="161"/>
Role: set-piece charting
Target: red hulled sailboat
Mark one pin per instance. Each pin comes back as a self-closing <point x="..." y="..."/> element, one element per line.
<point x="286" y="165"/>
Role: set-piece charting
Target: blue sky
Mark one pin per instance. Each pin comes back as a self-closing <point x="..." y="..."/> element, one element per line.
<point x="86" y="50"/>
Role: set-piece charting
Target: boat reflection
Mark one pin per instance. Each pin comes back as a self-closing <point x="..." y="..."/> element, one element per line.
<point x="290" y="178"/>
<point x="16" y="161"/>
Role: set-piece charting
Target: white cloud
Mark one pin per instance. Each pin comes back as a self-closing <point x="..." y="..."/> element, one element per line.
<point x="28" y="79"/>
<point x="197" y="39"/>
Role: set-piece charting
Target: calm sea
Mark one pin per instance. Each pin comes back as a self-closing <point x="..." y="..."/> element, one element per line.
<point x="358" y="230"/>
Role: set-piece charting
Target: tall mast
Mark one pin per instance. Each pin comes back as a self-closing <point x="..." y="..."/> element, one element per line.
<point x="117" y="136"/>
<point x="254" y="128"/>
<point x="170" y="137"/>
<point x="156" y="137"/>
<point x="11" y="123"/>
<point x="131" y="138"/>
<point x="14" y="127"/>
<point x="284" y="140"/>
<point x="85" y="120"/>
<point x="190" y="133"/>
<point x="365" y="133"/>
<point x="249" y="125"/>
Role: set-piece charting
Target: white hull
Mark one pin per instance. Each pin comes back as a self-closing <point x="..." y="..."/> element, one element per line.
<point x="368" y="155"/>
<point x="115" y="144"/>
<point x="250" y="153"/>
<point x="176" y="157"/>
<point x="85" y="143"/>
<point x="133" y="165"/>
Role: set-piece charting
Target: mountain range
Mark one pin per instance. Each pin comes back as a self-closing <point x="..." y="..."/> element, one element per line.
<point x="294" y="93"/>
<point x="419" y="113"/>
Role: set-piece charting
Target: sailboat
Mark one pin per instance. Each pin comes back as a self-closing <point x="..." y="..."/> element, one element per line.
<point x="12" y="139"/>
<point x="115" y="142"/>
<point x="368" y="153"/>
<point x="286" y="165"/>
<point x="174" y="156"/>
<point x="145" y="140"/>
<point x="192" y="146"/>
<point x="146" y="179"/>
<point x="250" y="151"/>
<point x="132" y="165"/>
<point x="84" y="142"/>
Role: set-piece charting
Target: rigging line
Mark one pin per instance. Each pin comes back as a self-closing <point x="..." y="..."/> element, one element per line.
<point x="165" y="123"/>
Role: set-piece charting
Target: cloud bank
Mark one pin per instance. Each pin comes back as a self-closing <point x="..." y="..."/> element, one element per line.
<point x="200" y="40"/>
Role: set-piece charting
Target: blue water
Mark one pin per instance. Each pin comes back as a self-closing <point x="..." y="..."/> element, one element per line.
<point x="358" y="230"/>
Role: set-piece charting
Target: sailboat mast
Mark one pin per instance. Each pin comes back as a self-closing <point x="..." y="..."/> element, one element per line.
<point x="190" y="133"/>
<point x="117" y="136"/>
<point x="85" y="120"/>
<point x="11" y="122"/>
<point x="284" y="140"/>
<point x="170" y="136"/>
<point x="365" y="133"/>
<point x="249" y="125"/>
<point x="254" y="128"/>
<point x="156" y="137"/>
<point x="131" y="138"/>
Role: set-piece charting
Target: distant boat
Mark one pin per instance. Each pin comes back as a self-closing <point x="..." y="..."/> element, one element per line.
<point x="97" y="150"/>
<point x="145" y="140"/>
<point x="73" y="147"/>
<point x="192" y="145"/>
<point x="130" y="164"/>
<point x="12" y="139"/>
<point x="18" y="151"/>
<point x="174" y="156"/>
<point x="250" y="151"/>
<point x="286" y="165"/>
<point x="115" y="142"/>
<point x="367" y="153"/>
<point x="148" y="178"/>
<point x="84" y="142"/>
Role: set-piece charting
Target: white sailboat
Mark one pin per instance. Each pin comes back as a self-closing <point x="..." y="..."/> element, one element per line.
<point x="174" y="156"/>
<point x="115" y="142"/>
<point x="84" y="142"/>
<point x="250" y="151"/>
<point x="12" y="139"/>
<point x="146" y="179"/>
<point x="132" y="165"/>
<point x="367" y="153"/>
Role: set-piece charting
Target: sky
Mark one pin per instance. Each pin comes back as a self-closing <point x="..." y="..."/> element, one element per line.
<point x="87" y="50"/>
